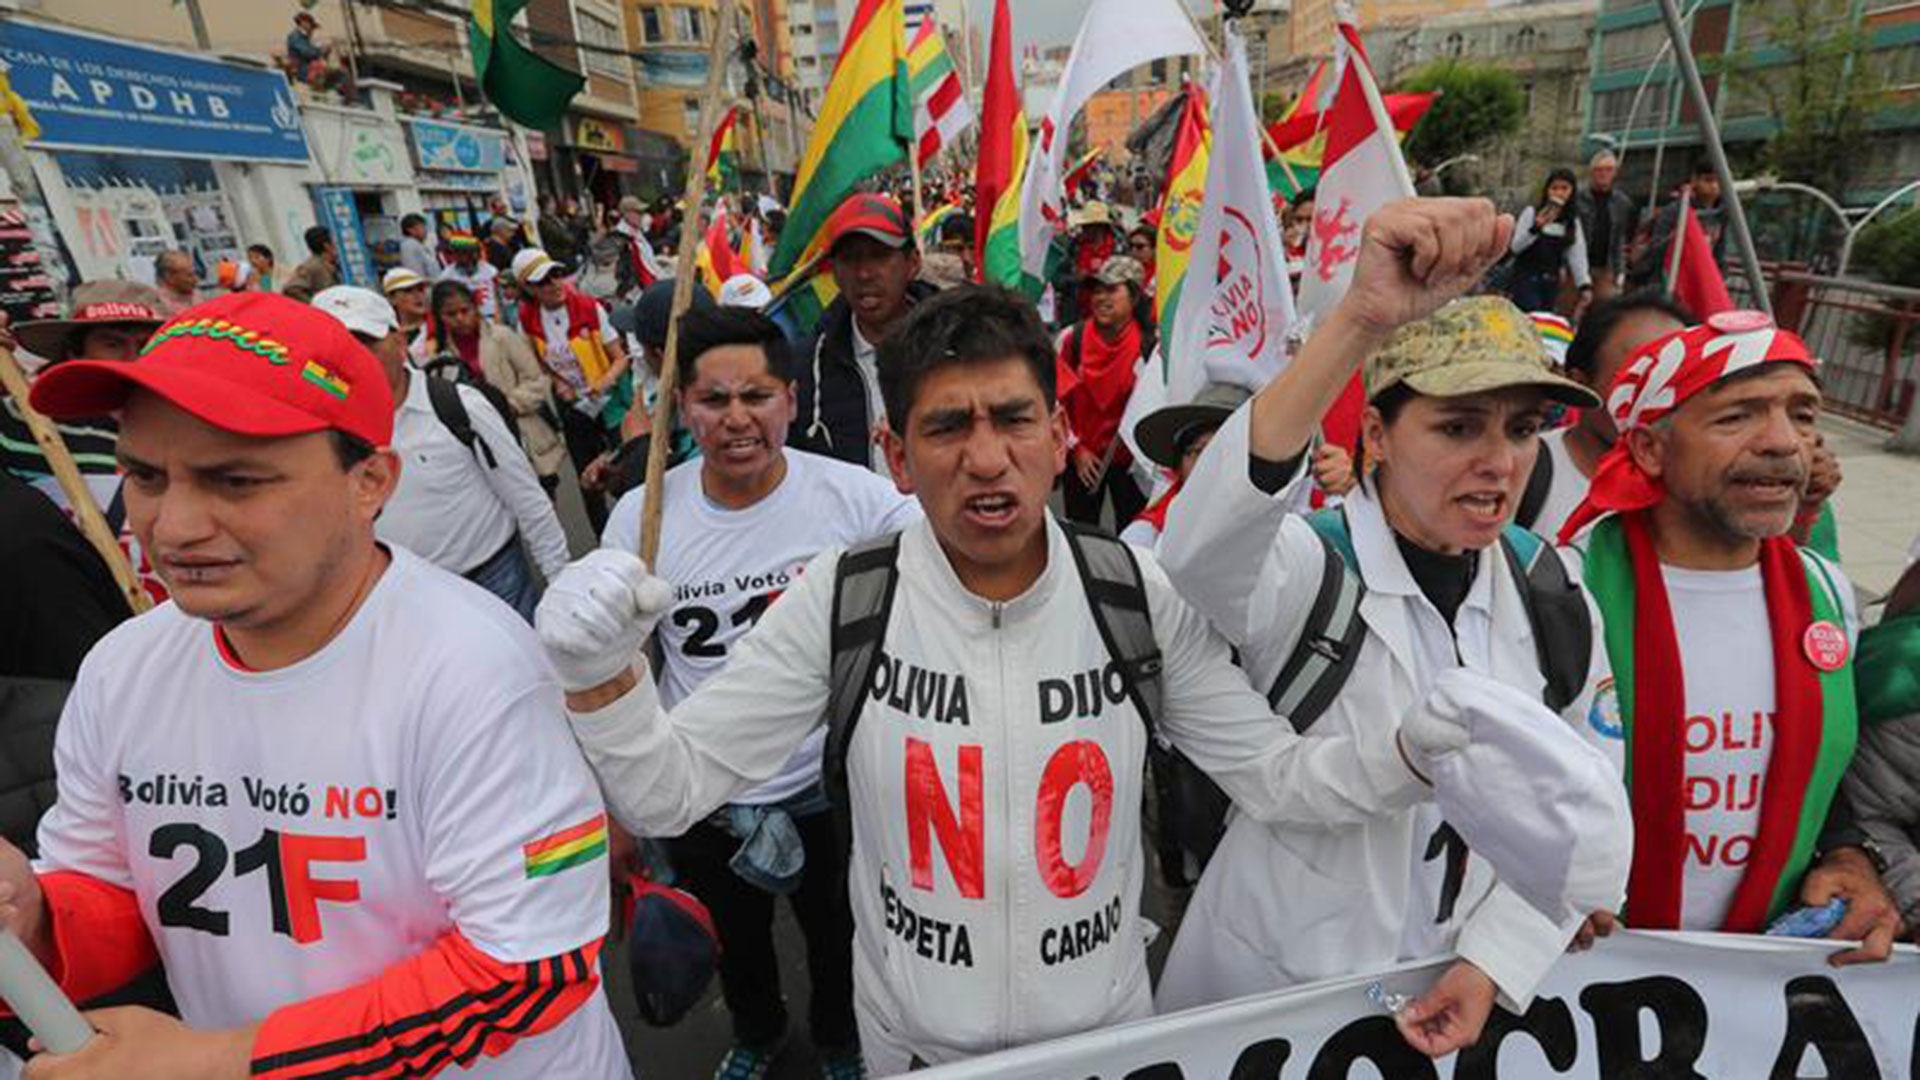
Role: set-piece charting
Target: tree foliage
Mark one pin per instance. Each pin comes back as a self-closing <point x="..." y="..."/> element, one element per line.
<point x="1477" y="104"/>
<point x="1812" y="70"/>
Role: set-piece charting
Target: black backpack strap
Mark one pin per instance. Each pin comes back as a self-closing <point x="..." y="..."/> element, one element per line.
<point x="1539" y="483"/>
<point x="1329" y="642"/>
<point x="1557" y="610"/>
<point x="444" y="396"/>
<point x="863" y="588"/>
<point x="1117" y="593"/>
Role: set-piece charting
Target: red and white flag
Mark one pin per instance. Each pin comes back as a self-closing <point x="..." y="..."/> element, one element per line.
<point x="1361" y="171"/>
<point x="940" y="109"/>
<point x="1693" y="277"/>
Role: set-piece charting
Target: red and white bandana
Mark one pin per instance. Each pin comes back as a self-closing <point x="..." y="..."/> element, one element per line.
<point x="1660" y="378"/>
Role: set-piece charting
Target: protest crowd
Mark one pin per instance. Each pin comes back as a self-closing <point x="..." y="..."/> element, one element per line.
<point x="982" y="546"/>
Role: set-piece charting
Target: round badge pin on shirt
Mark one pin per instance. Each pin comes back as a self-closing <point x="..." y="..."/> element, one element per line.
<point x="1825" y="645"/>
<point x="1739" y="322"/>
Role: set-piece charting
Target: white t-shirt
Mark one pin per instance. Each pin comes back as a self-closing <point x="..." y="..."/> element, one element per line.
<point x="453" y="508"/>
<point x="1568" y="488"/>
<point x="866" y="358"/>
<point x="368" y="800"/>
<point x="553" y="324"/>
<point x="1720" y="622"/>
<point x="726" y="566"/>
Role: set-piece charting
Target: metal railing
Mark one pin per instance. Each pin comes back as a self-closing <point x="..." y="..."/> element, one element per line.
<point x="1863" y="331"/>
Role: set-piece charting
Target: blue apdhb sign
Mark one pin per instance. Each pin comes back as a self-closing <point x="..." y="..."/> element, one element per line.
<point x="95" y="93"/>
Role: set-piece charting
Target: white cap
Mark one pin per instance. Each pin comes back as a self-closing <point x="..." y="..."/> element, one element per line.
<point x="400" y="278"/>
<point x="532" y="266"/>
<point x="362" y="311"/>
<point x="745" y="290"/>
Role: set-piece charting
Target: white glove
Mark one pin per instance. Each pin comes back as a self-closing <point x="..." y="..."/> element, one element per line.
<point x="1439" y="724"/>
<point x="596" y="615"/>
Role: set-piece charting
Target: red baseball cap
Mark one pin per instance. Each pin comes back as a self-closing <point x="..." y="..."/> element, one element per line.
<point x="878" y="216"/>
<point x="251" y="363"/>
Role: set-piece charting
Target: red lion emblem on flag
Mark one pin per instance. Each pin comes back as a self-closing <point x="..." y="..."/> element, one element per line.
<point x="1336" y="239"/>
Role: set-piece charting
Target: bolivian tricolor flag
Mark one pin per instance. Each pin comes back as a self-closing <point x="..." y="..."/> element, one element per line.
<point x="865" y="124"/>
<point x="567" y="848"/>
<point x="722" y="151"/>
<point x="1180" y="209"/>
<point x="1002" y="164"/>
<point x="526" y="87"/>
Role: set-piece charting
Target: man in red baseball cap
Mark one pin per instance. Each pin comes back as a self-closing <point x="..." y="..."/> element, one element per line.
<point x="874" y="264"/>
<point x="329" y="783"/>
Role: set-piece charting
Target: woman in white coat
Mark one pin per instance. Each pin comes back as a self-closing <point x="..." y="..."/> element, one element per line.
<point x="1456" y="400"/>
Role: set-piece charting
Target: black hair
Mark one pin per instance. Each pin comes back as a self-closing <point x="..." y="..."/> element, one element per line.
<point x="1704" y="167"/>
<point x="970" y="324"/>
<point x="706" y="329"/>
<point x="1391" y="400"/>
<point x="349" y="450"/>
<point x="1561" y="173"/>
<point x="1606" y="316"/>
<point x="1306" y="195"/>
<point x="261" y="250"/>
<point x="318" y="239"/>
<point x="410" y="220"/>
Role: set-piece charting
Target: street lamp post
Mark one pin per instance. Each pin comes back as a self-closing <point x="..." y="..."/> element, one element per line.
<point x="1846" y="247"/>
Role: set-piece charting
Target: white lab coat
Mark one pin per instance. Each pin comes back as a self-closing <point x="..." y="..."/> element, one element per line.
<point x="994" y="784"/>
<point x="1282" y="904"/>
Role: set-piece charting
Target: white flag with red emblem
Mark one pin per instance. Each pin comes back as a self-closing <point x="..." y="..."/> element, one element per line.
<point x="1361" y="171"/>
<point x="1235" y="306"/>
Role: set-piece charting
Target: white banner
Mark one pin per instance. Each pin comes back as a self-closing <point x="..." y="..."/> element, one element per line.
<point x="1644" y="1006"/>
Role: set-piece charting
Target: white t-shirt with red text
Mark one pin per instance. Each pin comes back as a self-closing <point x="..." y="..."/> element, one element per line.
<point x="1720" y="620"/>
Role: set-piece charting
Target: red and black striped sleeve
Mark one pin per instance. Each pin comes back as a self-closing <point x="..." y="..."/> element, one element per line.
<point x="445" y="1006"/>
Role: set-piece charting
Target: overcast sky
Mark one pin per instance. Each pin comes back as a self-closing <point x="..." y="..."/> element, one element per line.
<point x="1044" y="22"/>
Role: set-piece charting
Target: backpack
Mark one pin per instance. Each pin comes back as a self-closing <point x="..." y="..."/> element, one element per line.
<point x="1534" y="497"/>
<point x="444" y="395"/>
<point x="863" y="588"/>
<point x="1329" y="645"/>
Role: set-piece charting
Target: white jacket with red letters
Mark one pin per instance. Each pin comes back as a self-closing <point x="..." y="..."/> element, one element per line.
<point x="995" y="786"/>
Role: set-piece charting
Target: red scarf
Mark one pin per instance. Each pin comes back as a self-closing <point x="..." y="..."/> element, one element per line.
<point x="1103" y="382"/>
<point x="468" y="346"/>
<point x="1156" y="515"/>
<point x="1659" y="739"/>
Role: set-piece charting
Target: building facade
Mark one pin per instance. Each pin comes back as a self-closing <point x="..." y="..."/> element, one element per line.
<point x="1545" y="46"/>
<point x="1637" y="105"/>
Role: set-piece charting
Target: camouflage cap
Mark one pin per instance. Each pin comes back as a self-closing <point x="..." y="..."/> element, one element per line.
<point x="1120" y="270"/>
<point x="1471" y="346"/>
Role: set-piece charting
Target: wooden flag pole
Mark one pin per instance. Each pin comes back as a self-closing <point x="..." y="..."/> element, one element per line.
<point x="86" y="512"/>
<point x="696" y="192"/>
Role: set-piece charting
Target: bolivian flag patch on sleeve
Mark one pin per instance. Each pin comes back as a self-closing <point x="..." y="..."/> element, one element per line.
<point x="569" y="847"/>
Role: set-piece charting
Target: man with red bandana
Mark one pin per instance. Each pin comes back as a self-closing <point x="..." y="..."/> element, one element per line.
<point x="329" y="784"/>
<point x="1732" y="648"/>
